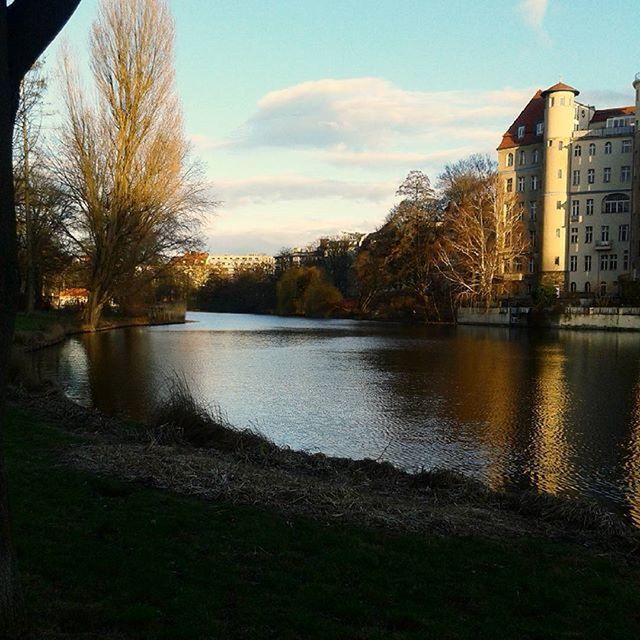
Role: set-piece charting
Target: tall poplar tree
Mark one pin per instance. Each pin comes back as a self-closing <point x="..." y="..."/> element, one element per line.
<point x="133" y="197"/>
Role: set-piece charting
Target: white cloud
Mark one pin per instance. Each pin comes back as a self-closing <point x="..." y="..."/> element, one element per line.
<point x="372" y="114"/>
<point x="533" y="12"/>
<point x="286" y="187"/>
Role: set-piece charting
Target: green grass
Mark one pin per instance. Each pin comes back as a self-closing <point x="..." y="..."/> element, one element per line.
<point x="104" y="557"/>
<point x="43" y="320"/>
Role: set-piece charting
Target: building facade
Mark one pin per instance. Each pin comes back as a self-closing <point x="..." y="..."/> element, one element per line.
<point x="574" y="170"/>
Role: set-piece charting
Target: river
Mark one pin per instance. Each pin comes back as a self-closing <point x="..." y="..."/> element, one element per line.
<point x="556" y="411"/>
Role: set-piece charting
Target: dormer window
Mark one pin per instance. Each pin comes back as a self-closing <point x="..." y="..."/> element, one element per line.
<point x="521" y="132"/>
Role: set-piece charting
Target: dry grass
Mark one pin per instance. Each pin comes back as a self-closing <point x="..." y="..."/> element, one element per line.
<point x="192" y="449"/>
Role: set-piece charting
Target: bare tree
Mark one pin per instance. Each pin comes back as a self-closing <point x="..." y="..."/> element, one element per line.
<point x="26" y="29"/>
<point x="484" y="238"/>
<point x="134" y="197"/>
<point x="38" y="212"/>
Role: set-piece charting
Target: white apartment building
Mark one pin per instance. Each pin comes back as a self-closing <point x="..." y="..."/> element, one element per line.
<point x="574" y="171"/>
<point x="230" y="265"/>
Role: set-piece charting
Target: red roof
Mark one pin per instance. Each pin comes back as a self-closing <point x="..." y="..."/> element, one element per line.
<point x="531" y="115"/>
<point x="560" y="86"/>
<point x="601" y="115"/>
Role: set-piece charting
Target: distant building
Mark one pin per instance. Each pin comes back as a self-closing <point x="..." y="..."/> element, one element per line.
<point x="230" y="265"/>
<point x="573" y="171"/>
<point x="74" y="297"/>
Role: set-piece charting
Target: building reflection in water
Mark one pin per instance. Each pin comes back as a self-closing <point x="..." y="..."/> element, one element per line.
<point x="632" y="466"/>
<point x="551" y="468"/>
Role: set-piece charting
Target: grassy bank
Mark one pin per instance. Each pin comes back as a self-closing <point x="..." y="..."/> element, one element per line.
<point x="106" y="558"/>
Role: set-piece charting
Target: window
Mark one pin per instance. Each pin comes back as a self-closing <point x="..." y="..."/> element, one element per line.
<point x="587" y="263"/>
<point x="521" y="131"/>
<point x="539" y="128"/>
<point x="591" y="176"/>
<point x="521" y="183"/>
<point x="510" y="160"/>
<point x="533" y="210"/>
<point x="534" y="183"/>
<point x="625" y="174"/>
<point x="626" y="146"/>
<point x="522" y="157"/>
<point x="604" y="233"/>
<point x="552" y="101"/>
<point x="604" y="262"/>
<point x="572" y="287"/>
<point x="517" y="265"/>
<point x="562" y="101"/>
<point x="607" y="148"/>
<point x="573" y="263"/>
<point x="557" y="261"/>
<point x="536" y="155"/>
<point x="592" y="149"/>
<point x="558" y="204"/>
<point x="587" y="287"/>
<point x="607" y="174"/>
<point x="603" y="289"/>
<point x="588" y="234"/>
<point x="520" y="210"/>
<point x="557" y="233"/>
<point x="616" y="203"/>
<point x="575" y="208"/>
<point x="532" y="238"/>
<point x="577" y="151"/>
<point x="509" y="185"/>
<point x="576" y="178"/>
<point x="560" y="145"/>
<point x="574" y="235"/>
<point x="589" y="206"/>
<point x="532" y="265"/>
<point x="625" y="261"/>
<point x="623" y="233"/>
<point x="613" y="262"/>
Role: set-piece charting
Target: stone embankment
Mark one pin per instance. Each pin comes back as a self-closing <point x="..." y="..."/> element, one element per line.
<point x="594" y="318"/>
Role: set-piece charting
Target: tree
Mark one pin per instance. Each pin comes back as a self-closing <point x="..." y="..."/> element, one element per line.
<point x="39" y="213"/>
<point x="416" y="189"/>
<point x="484" y="238"/>
<point x="27" y="27"/>
<point x="133" y="195"/>
<point x="305" y="291"/>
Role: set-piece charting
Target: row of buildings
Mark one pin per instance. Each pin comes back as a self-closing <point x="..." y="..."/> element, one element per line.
<point x="575" y="171"/>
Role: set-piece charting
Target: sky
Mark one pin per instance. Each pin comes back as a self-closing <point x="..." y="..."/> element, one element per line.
<point x="308" y="114"/>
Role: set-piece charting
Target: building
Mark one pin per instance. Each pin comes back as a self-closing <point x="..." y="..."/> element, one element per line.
<point x="575" y="172"/>
<point x="230" y="265"/>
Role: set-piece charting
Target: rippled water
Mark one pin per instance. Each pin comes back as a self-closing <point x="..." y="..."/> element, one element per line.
<point x="558" y="411"/>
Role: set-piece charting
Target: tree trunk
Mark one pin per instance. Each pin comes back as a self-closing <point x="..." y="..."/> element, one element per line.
<point x="26" y="28"/>
<point x="10" y="600"/>
<point x="93" y="311"/>
<point x="11" y="604"/>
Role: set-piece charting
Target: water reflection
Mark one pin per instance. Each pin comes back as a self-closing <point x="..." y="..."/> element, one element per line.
<point x="559" y="412"/>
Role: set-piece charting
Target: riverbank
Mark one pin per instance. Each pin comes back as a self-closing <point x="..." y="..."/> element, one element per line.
<point x="135" y="539"/>
<point x="46" y="329"/>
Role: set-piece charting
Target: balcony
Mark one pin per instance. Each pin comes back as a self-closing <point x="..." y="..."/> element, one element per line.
<point x="603" y="245"/>
<point x="606" y="132"/>
<point x="574" y="217"/>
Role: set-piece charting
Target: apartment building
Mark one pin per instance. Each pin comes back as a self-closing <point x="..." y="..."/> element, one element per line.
<point x="230" y="265"/>
<point x="574" y="171"/>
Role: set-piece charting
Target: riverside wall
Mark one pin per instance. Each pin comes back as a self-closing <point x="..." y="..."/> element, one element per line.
<point x="595" y="318"/>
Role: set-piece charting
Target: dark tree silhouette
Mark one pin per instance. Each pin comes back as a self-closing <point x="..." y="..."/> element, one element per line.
<point x="27" y="27"/>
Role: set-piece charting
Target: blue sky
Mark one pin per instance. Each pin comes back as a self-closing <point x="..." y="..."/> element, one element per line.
<point x="309" y="113"/>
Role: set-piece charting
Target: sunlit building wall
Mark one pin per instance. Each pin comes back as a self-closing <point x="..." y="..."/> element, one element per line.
<point x="574" y="169"/>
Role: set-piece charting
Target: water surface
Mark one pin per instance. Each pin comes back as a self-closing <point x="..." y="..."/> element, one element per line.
<point x="556" y="411"/>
